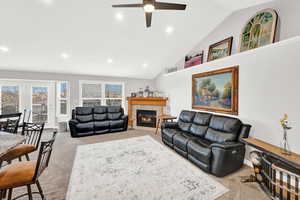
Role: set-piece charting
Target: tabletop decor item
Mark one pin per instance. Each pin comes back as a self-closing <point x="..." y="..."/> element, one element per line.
<point x="284" y="143"/>
<point x="193" y="59"/>
<point x="220" y="49"/>
<point x="260" y="30"/>
<point x="216" y="91"/>
<point x="146" y="91"/>
<point x="133" y="94"/>
<point x="141" y="92"/>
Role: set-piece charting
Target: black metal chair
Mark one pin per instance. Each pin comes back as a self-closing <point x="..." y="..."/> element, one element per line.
<point x="33" y="133"/>
<point x="11" y="126"/>
<point x="26" y="117"/>
<point x="26" y="173"/>
<point x="12" y="116"/>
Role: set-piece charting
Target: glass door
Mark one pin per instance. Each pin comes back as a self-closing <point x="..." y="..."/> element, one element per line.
<point x="42" y="103"/>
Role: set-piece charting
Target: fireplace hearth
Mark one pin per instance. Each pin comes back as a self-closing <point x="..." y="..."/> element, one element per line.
<point x="146" y="118"/>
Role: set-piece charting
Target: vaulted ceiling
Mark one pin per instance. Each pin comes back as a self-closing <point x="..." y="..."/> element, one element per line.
<point x="85" y="36"/>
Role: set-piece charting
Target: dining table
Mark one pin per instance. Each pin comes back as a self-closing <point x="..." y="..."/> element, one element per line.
<point x="8" y="141"/>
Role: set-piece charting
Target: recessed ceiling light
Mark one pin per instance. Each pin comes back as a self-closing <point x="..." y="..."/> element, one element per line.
<point x="169" y="30"/>
<point x="4" y="49"/>
<point x="65" y="56"/>
<point x="109" y="61"/>
<point x="119" y="16"/>
<point x="145" y="65"/>
<point x="47" y="2"/>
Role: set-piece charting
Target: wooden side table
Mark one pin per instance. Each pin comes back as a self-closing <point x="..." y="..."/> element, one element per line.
<point x="163" y="118"/>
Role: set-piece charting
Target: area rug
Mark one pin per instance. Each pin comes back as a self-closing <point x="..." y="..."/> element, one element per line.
<point x="138" y="168"/>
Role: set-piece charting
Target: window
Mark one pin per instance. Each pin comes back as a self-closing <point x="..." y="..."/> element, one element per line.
<point x="40" y="104"/>
<point x="113" y="94"/>
<point x="62" y="98"/>
<point x="10" y="99"/>
<point x="101" y="93"/>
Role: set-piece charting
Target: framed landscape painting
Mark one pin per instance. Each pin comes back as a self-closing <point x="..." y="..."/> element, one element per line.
<point x="260" y="30"/>
<point x="216" y="91"/>
<point x="220" y="49"/>
<point x="193" y="59"/>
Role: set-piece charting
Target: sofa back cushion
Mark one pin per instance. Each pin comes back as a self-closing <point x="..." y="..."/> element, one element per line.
<point x="185" y="120"/>
<point x="114" y="112"/>
<point x="84" y="114"/>
<point x="100" y="113"/>
<point x="200" y="124"/>
<point x="223" y="129"/>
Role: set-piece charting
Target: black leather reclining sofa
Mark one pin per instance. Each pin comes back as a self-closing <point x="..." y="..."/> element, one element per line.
<point x="97" y="120"/>
<point x="212" y="142"/>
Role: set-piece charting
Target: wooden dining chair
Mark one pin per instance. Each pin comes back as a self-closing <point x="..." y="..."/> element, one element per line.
<point x="33" y="133"/>
<point x="26" y="173"/>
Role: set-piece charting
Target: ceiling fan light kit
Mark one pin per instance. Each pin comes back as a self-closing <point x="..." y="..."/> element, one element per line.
<point x="150" y="6"/>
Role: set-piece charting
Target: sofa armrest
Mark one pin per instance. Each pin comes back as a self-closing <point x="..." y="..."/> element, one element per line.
<point x="73" y="121"/>
<point x="125" y="118"/>
<point x="72" y="125"/>
<point x="245" y="130"/>
<point x="73" y="114"/>
<point x="226" y="158"/>
<point x="227" y="145"/>
<point x="172" y="125"/>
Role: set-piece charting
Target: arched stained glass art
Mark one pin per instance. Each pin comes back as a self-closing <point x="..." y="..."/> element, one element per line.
<point x="260" y="30"/>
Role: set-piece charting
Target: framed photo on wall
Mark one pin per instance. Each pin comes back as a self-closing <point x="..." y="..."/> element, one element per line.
<point x="260" y="30"/>
<point x="216" y="91"/>
<point x="193" y="59"/>
<point x="220" y="49"/>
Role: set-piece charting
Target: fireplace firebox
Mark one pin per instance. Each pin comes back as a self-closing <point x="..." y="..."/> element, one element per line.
<point x="146" y="118"/>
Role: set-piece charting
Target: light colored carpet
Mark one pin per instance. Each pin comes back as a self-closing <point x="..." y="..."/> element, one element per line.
<point x="135" y="169"/>
<point x="55" y="179"/>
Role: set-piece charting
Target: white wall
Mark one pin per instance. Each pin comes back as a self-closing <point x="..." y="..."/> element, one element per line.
<point x="131" y="85"/>
<point x="288" y="25"/>
<point x="269" y="86"/>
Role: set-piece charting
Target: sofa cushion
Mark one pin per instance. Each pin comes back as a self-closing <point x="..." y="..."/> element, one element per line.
<point x="199" y="150"/>
<point x="187" y="116"/>
<point x="84" y="118"/>
<point x="219" y="136"/>
<point x="84" y="110"/>
<point x="198" y="130"/>
<point x="100" y="109"/>
<point x="185" y="120"/>
<point x="168" y="134"/>
<point x="101" y="125"/>
<point x="223" y="129"/>
<point x="114" y="116"/>
<point x="116" y="124"/>
<point x="84" y="114"/>
<point x="181" y="140"/>
<point x="225" y="124"/>
<point x="85" y="127"/>
<point x="114" y="109"/>
<point x="100" y="117"/>
<point x="202" y="119"/>
<point x="183" y="126"/>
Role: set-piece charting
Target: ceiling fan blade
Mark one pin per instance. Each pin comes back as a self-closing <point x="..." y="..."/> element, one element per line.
<point x="169" y="6"/>
<point x="128" y="6"/>
<point x="148" y="19"/>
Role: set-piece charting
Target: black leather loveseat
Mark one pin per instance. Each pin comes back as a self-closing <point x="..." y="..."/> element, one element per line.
<point x="212" y="142"/>
<point x="97" y="120"/>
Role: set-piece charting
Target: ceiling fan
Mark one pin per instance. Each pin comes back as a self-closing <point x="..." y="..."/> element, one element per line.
<point x="151" y="5"/>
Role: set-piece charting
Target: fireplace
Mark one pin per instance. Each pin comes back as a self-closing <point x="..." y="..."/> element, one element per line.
<point x="146" y="118"/>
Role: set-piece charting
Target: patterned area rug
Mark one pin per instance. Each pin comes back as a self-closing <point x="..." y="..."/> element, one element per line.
<point x="137" y="169"/>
